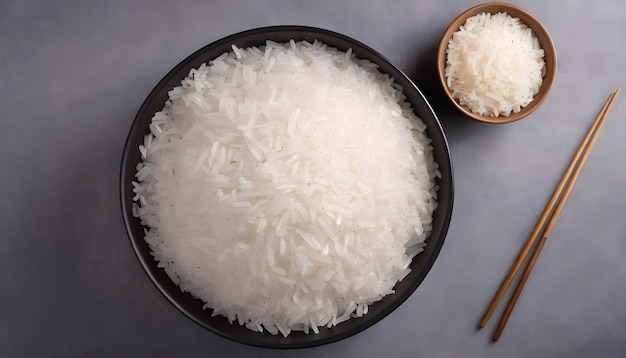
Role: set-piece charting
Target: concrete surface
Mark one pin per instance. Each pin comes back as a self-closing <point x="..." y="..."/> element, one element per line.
<point x="74" y="73"/>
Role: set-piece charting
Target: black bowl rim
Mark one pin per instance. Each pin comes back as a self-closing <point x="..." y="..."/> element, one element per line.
<point x="148" y="265"/>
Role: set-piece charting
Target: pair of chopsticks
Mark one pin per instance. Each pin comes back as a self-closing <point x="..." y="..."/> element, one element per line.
<point x="560" y="195"/>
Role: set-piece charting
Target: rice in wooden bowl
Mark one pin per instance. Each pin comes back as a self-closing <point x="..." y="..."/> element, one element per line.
<point x="496" y="63"/>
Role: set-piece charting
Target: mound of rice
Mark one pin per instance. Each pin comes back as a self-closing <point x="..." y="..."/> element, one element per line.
<point x="287" y="186"/>
<point x="494" y="65"/>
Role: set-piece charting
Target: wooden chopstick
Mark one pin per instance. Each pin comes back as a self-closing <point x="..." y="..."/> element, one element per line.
<point x="575" y="166"/>
<point x="531" y="240"/>
<point x="595" y="129"/>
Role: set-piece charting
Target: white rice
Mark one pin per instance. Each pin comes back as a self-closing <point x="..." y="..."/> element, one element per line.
<point x="287" y="186"/>
<point x="494" y="65"/>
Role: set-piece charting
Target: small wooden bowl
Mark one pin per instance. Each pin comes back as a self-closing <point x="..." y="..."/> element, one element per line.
<point x="544" y="40"/>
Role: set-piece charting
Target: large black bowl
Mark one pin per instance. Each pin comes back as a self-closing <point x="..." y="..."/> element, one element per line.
<point x="191" y="306"/>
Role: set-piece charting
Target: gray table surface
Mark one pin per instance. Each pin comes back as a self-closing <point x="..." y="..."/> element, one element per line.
<point x="74" y="73"/>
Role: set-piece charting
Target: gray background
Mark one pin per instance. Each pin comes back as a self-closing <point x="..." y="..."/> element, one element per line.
<point x="74" y="73"/>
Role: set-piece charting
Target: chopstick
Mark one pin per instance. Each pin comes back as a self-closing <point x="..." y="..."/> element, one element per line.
<point x="568" y="178"/>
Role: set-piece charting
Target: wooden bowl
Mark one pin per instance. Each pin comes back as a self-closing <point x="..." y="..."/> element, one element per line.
<point x="544" y="40"/>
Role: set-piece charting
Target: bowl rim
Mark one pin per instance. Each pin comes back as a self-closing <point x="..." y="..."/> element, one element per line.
<point x="546" y="42"/>
<point x="141" y="248"/>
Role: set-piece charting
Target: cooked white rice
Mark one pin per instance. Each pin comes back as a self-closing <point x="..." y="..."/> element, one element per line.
<point x="288" y="186"/>
<point x="494" y="65"/>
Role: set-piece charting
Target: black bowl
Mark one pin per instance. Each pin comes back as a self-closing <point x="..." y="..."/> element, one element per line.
<point x="191" y="306"/>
